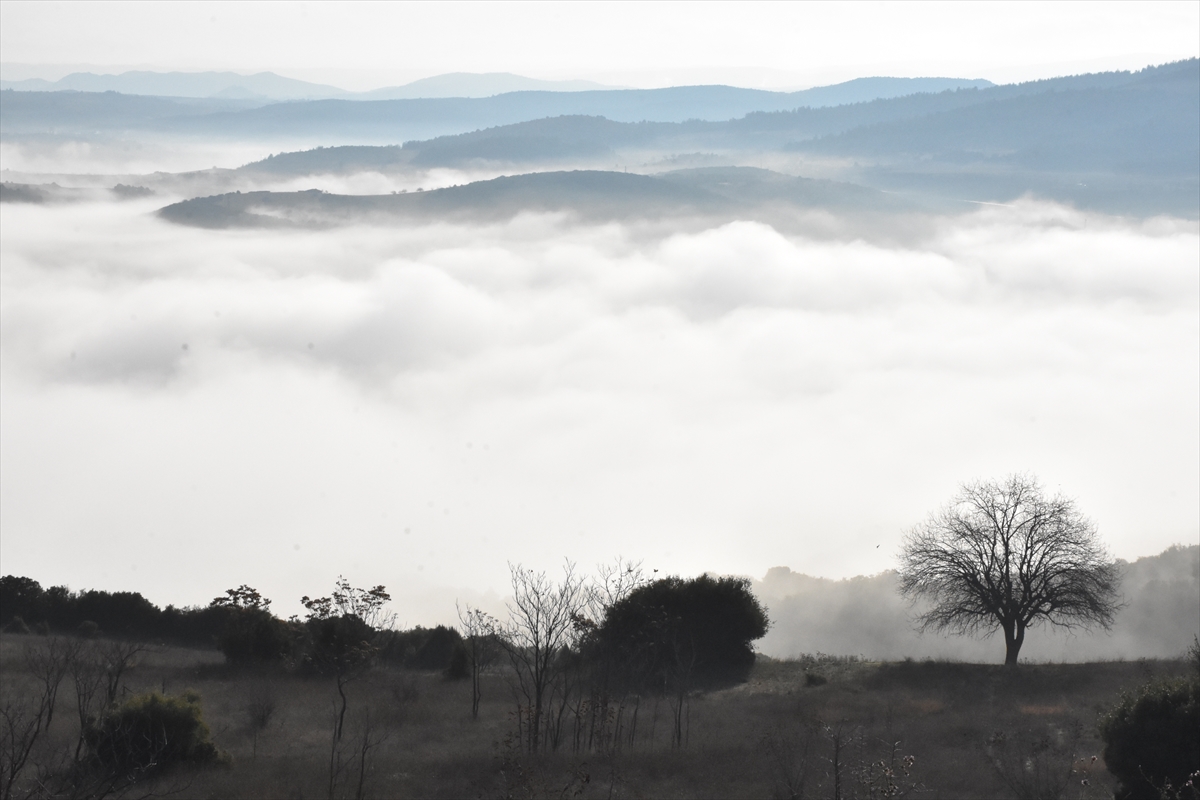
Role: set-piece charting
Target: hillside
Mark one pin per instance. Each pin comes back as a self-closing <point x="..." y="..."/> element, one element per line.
<point x="712" y="194"/>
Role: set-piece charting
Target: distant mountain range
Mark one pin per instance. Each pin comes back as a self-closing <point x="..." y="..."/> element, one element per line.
<point x="269" y="87"/>
<point x="1120" y="142"/>
<point x="473" y="84"/>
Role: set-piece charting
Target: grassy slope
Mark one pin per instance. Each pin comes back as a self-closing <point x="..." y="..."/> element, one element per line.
<point x="743" y="742"/>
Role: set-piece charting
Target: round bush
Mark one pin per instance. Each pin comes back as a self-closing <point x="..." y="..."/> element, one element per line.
<point x="150" y="732"/>
<point x="675" y="634"/>
<point x="1152" y="738"/>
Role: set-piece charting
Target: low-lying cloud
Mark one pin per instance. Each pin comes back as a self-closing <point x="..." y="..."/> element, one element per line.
<point x="418" y="405"/>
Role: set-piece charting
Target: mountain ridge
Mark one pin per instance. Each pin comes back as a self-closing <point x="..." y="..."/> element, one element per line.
<point x="269" y="86"/>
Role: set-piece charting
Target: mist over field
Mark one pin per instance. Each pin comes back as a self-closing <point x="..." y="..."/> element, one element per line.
<point x="189" y="409"/>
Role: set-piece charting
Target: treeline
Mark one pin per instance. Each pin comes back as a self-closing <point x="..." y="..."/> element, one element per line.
<point x="27" y="607"/>
<point x="579" y="653"/>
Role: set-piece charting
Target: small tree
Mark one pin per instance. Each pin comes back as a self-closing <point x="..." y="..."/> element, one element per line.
<point x="537" y="637"/>
<point x="479" y="631"/>
<point x="251" y="634"/>
<point x="343" y="628"/>
<point x="1002" y="554"/>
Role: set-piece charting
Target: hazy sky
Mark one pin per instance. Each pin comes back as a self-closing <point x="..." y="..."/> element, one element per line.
<point x="363" y="45"/>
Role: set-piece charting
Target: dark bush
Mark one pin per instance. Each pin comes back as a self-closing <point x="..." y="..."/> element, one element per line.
<point x="87" y="630"/>
<point x="254" y="636"/>
<point x="151" y="732"/>
<point x="675" y="632"/>
<point x="16" y="625"/>
<point x="1152" y="738"/>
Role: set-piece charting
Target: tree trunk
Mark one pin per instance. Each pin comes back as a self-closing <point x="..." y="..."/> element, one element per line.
<point x="1014" y="637"/>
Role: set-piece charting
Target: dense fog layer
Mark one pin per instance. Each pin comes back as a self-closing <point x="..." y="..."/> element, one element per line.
<point x="187" y="410"/>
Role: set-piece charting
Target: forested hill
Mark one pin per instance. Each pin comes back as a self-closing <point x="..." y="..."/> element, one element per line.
<point x="711" y="194"/>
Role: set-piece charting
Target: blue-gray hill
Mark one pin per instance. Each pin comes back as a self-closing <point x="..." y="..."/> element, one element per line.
<point x="711" y="194"/>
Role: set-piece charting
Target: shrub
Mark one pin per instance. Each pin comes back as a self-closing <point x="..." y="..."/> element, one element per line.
<point x="87" y="630"/>
<point x="676" y="632"/>
<point x="1152" y="739"/>
<point x="151" y="732"/>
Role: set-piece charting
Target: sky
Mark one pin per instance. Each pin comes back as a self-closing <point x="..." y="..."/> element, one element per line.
<point x="770" y="45"/>
<point x="183" y="411"/>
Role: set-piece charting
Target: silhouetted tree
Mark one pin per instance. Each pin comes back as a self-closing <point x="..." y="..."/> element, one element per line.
<point x="251" y="633"/>
<point x="343" y="629"/>
<point x="1002" y="554"/>
<point x="481" y="647"/>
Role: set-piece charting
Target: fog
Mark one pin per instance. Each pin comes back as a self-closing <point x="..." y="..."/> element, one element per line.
<point x="186" y="410"/>
<point x="866" y="616"/>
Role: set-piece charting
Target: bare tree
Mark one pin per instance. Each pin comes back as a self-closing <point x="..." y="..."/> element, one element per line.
<point x="480" y="629"/>
<point x="22" y="722"/>
<point x="1002" y="554"/>
<point x="537" y="637"/>
<point x="116" y="658"/>
<point x="613" y="583"/>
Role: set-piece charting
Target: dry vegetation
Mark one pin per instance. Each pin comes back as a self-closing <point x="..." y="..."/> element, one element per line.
<point x="814" y="727"/>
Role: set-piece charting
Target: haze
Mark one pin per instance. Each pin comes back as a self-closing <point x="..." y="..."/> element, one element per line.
<point x="768" y="45"/>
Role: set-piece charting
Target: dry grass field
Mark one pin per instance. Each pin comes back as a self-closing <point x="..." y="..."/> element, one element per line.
<point x="814" y="727"/>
